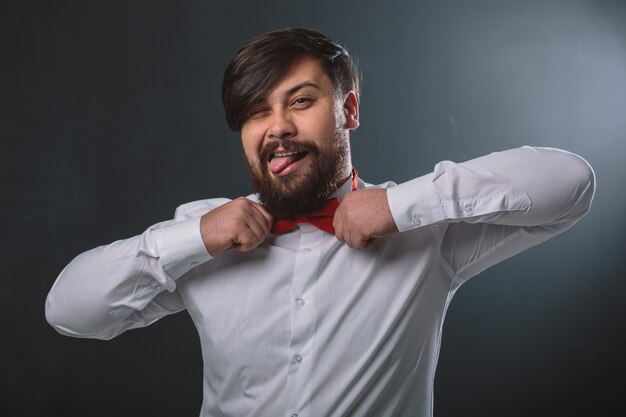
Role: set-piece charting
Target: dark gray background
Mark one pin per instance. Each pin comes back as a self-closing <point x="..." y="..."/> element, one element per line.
<point x="111" y="117"/>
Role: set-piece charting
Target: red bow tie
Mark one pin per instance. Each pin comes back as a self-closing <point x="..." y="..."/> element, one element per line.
<point x="322" y="218"/>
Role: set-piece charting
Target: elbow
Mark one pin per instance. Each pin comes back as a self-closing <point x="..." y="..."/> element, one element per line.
<point x="75" y="313"/>
<point x="54" y="310"/>
<point x="73" y="324"/>
<point x="585" y="185"/>
<point x="59" y="316"/>
<point x="59" y="311"/>
<point x="579" y="184"/>
<point x="56" y="317"/>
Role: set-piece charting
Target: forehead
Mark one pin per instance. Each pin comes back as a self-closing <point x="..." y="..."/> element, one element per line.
<point x="304" y="71"/>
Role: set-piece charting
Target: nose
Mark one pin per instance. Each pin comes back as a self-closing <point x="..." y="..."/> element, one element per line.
<point x="281" y="126"/>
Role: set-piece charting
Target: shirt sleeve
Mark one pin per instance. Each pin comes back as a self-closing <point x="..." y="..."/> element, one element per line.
<point x="490" y="208"/>
<point x="127" y="284"/>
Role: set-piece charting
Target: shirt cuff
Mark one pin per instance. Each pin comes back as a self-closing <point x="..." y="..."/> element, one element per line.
<point x="414" y="203"/>
<point x="180" y="247"/>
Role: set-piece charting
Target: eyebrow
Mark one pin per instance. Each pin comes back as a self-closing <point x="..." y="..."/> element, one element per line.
<point x="289" y="92"/>
<point x="300" y="86"/>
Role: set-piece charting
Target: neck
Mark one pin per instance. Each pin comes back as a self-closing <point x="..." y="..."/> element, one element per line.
<point x="343" y="181"/>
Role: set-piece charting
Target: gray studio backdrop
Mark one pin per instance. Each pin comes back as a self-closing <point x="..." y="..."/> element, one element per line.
<point x="111" y="117"/>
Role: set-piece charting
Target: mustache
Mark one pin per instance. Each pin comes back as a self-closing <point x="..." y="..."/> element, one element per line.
<point x="289" y="145"/>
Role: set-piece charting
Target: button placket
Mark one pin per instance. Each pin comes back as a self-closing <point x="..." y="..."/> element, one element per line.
<point x="303" y="319"/>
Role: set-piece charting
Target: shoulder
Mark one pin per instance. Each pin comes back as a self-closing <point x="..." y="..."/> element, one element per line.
<point x="387" y="184"/>
<point x="198" y="208"/>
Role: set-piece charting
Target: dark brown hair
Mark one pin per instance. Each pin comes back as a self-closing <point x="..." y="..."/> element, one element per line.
<point x="265" y="59"/>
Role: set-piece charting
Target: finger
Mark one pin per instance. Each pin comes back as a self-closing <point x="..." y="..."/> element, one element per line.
<point x="367" y="243"/>
<point x="254" y="231"/>
<point x="247" y="240"/>
<point x="254" y="219"/>
<point x="250" y="215"/>
<point x="340" y="222"/>
<point x="250" y="228"/>
<point x="257" y="222"/>
<point x="349" y="241"/>
<point x="267" y="219"/>
<point x="339" y="229"/>
<point x="360" y="241"/>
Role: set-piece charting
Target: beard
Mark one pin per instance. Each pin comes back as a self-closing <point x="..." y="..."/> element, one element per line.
<point x="307" y="188"/>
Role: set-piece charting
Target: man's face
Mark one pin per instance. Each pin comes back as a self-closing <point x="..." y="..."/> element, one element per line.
<point x="296" y="141"/>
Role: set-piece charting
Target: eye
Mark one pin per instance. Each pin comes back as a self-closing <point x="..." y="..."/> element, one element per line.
<point x="259" y="111"/>
<point x="302" y="102"/>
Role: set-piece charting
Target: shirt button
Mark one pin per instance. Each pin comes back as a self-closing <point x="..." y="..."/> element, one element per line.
<point x="295" y="415"/>
<point x="298" y="358"/>
<point x="300" y="302"/>
<point x="415" y="220"/>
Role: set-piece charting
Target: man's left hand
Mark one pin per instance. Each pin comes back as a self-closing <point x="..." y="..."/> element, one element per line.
<point x="363" y="216"/>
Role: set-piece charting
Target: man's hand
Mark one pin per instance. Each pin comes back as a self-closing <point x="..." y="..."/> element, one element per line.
<point x="362" y="216"/>
<point x="240" y="224"/>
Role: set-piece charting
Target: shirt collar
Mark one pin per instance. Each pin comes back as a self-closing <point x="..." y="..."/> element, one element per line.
<point x="344" y="189"/>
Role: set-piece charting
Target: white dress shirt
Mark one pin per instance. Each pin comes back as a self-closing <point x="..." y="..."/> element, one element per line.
<point x="304" y="325"/>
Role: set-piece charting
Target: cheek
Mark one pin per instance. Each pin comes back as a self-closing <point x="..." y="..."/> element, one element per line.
<point x="251" y="145"/>
<point x="319" y="127"/>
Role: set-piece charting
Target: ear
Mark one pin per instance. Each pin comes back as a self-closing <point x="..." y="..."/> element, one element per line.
<point x="351" y="111"/>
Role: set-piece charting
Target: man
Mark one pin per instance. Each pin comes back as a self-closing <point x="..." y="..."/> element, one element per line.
<point x="293" y="319"/>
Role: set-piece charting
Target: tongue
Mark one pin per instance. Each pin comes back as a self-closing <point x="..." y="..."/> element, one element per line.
<point x="277" y="164"/>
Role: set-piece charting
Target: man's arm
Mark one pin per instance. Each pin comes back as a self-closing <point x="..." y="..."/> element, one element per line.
<point x="110" y="289"/>
<point x="484" y="210"/>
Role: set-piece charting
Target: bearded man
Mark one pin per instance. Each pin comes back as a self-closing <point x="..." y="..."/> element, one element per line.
<point x="320" y="294"/>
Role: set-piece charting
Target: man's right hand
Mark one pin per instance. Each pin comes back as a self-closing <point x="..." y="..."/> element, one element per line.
<point x="240" y="224"/>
